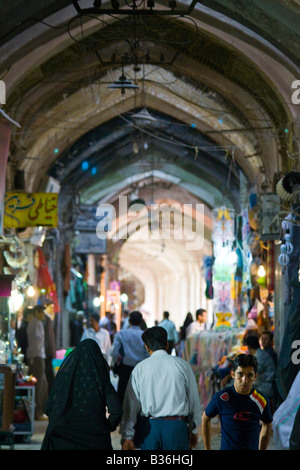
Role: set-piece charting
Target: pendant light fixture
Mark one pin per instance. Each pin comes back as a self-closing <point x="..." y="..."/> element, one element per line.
<point x="143" y="117"/>
<point x="123" y="83"/>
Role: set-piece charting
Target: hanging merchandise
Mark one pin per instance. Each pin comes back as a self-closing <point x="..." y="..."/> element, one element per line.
<point x="206" y="349"/>
<point x="287" y="239"/>
<point x="45" y="281"/>
<point x="225" y="260"/>
<point x="243" y="275"/>
<point x="208" y="268"/>
<point x="286" y="187"/>
<point x="253" y="211"/>
<point x="283" y="258"/>
<point x="270" y="265"/>
<point x="223" y="320"/>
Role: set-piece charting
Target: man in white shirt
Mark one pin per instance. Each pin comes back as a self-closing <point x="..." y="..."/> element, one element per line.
<point x="163" y="389"/>
<point x="101" y="335"/>
<point x="198" y="324"/>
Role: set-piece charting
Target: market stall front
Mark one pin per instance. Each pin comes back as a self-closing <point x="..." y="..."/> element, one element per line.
<point x="207" y="351"/>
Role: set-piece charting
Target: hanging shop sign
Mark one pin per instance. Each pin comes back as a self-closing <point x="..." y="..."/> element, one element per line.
<point x="89" y="243"/>
<point x="87" y="218"/>
<point x="30" y="209"/>
<point x="270" y="226"/>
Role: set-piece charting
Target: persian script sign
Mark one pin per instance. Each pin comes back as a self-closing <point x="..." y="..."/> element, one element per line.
<point x="30" y="209"/>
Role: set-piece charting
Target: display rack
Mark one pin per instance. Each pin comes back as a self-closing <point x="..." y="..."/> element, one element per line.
<point x="25" y="405"/>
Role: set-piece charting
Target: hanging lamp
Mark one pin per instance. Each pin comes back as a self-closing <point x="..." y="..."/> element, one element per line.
<point x="123" y="84"/>
<point x="143" y="117"/>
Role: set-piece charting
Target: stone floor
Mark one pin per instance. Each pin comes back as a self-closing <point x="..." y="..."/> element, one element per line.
<point x="41" y="426"/>
<point x="39" y="429"/>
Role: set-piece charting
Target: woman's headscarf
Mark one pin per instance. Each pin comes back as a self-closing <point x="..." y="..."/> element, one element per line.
<point x="81" y="391"/>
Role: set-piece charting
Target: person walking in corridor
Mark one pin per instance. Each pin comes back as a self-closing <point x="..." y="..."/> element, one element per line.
<point x="241" y="409"/>
<point x="266" y="369"/>
<point x="163" y="389"/>
<point x="83" y="407"/>
<point x="172" y="334"/>
<point x="128" y="348"/>
<point x="50" y="341"/>
<point x="99" y="334"/>
<point x="36" y="355"/>
<point x="198" y="324"/>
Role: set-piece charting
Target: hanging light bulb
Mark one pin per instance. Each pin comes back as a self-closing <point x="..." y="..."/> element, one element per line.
<point x="261" y="271"/>
<point x="31" y="291"/>
<point x="96" y="302"/>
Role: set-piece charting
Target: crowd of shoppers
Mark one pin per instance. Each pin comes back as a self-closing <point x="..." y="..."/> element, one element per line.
<point x="156" y="403"/>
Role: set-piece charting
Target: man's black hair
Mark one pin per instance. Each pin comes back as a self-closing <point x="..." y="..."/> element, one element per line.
<point x="37" y="309"/>
<point x="95" y="316"/>
<point x="267" y="332"/>
<point x="245" y="360"/>
<point x="135" y="318"/>
<point x="200" y="312"/>
<point x="252" y="342"/>
<point x="155" y="338"/>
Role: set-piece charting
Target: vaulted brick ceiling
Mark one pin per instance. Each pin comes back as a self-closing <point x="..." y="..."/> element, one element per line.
<point x="218" y="83"/>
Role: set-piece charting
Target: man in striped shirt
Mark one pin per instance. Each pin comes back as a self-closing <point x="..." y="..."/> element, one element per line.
<point x="242" y="409"/>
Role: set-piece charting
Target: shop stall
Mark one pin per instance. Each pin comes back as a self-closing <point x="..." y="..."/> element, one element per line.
<point x="17" y="389"/>
<point x="7" y="390"/>
<point x="207" y="350"/>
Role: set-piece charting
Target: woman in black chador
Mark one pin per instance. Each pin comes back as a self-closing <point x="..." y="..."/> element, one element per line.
<point x="77" y="403"/>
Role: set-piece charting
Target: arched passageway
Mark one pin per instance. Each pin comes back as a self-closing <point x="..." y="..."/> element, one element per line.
<point x="220" y="85"/>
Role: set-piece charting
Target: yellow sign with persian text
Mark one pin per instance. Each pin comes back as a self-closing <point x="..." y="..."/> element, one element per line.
<point x="30" y="209"/>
